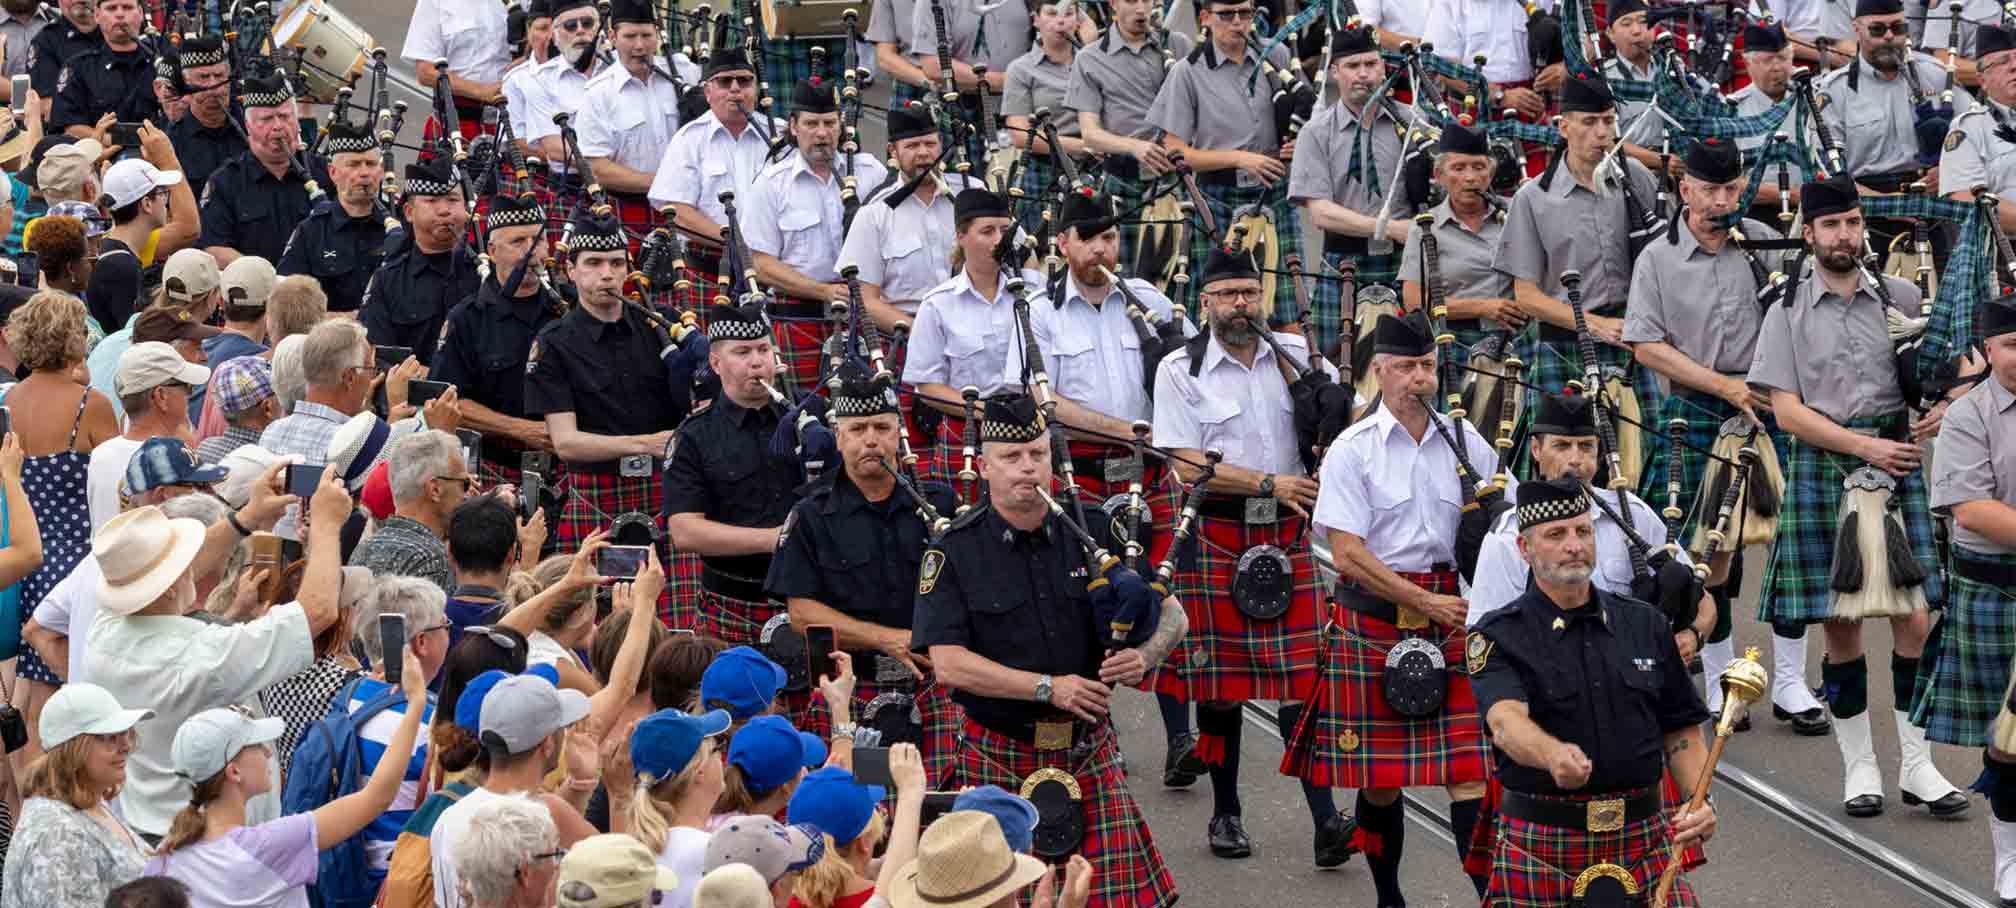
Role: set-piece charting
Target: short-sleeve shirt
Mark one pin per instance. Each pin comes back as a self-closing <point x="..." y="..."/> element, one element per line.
<point x="962" y="338"/>
<point x="889" y="22"/>
<point x="1834" y="353"/>
<point x="1244" y="412"/>
<point x="1093" y="353"/>
<point x="1974" y="458"/>
<point x="1399" y="495"/>
<point x="704" y="159"/>
<point x="623" y="119"/>
<point x="472" y="35"/>
<point x="1214" y="103"/>
<point x="1564" y="227"/>
<point x="202" y="149"/>
<point x="555" y="86"/>
<point x="1702" y="303"/>
<point x="1324" y="169"/>
<point x="857" y="556"/>
<point x="996" y="37"/>
<point x="1605" y="677"/>
<point x="1119" y="81"/>
<point x="1938" y="34"/>
<point x="114" y="294"/>
<point x="247" y="208"/>
<point x="795" y="216"/>
<point x="1502" y="572"/>
<point x="408" y="297"/>
<point x="1464" y="255"/>
<point x="904" y="251"/>
<point x="1035" y="82"/>
<point x="1873" y="117"/>
<point x="1749" y="103"/>
<point x="1637" y="123"/>
<point x="1462" y="29"/>
<point x="269" y="864"/>
<point x="339" y="251"/>
<point x="53" y="48"/>
<point x="484" y="344"/>
<point x="1978" y="154"/>
<point x="608" y="374"/>
<point x="105" y="81"/>
<point x="1404" y="17"/>
<point x="722" y="469"/>
<point x="1831" y="19"/>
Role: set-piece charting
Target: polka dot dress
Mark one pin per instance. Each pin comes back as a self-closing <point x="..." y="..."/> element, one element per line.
<point x="55" y="484"/>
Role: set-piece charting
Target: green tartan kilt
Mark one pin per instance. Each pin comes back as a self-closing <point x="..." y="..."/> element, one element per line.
<point x="1802" y="558"/>
<point x="788" y="61"/>
<point x="1957" y="699"/>
<point x="1326" y="292"/>
<point x="1127" y="195"/>
<point x="1037" y="174"/>
<point x="1705" y="415"/>
<point x="1224" y="200"/>
<point x="1550" y="365"/>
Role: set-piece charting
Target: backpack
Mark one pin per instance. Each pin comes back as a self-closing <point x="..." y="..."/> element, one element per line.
<point x="409" y="880"/>
<point x="328" y="764"/>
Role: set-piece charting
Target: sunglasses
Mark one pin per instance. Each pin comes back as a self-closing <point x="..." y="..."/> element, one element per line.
<point x="1233" y="15"/>
<point x="575" y="25"/>
<point x="733" y="81"/>
<point x="494" y="635"/>
<point x="1879" y="29"/>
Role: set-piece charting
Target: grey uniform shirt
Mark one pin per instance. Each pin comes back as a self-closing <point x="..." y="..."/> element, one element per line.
<point x="1569" y="227"/>
<point x="1704" y="304"/>
<point x="1834" y="353"/>
<point x="1323" y="153"/>
<point x="1975" y="458"/>
<point x="1119" y="82"/>
<point x="1749" y="103"/>
<point x="1637" y="123"/>
<point x="1873" y="120"/>
<point x="1035" y="82"/>
<point x="1004" y="30"/>
<point x="1465" y="257"/>
<point x="1975" y="156"/>
<point x="907" y="250"/>
<point x="889" y="22"/>
<point x="1208" y="102"/>
<point x="1832" y="19"/>
<point x="20" y="36"/>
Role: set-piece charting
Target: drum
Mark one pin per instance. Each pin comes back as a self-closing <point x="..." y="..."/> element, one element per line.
<point x="334" y="50"/>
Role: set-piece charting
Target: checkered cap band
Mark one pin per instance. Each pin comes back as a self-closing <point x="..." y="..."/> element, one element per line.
<point x="515" y="216"/>
<point x="586" y="241"/>
<point x="421" y="186"/>
<point x="1011" y="432"/>
<point x="191" y="58"/>
<point x="1552" y="509"/>
<point x="341" y="144"/>
<point x="266" y="98"/>
<point x="868" y="400"/>
<point x="735" y="329"/>
<point x="164" y="67"/>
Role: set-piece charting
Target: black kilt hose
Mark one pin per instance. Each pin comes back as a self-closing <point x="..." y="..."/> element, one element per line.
<point x="1536" y="866"/>
<point x="1349" y="737"/>
<point x="1127" y="868"/>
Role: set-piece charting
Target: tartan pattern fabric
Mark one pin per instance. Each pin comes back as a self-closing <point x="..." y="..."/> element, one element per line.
<point x="1535" y="866"/>
<point x="1127" y="195"/>
<point x="1484" y="836"/>
<point x="1970" y="666"/>
<point x="1326" y="292"/>
<point x="1228" y="656"/>
<point x="594" y="501"/>
<point x="1350" y="738"/>
<point x="1552" y="365"/>
<point x="1969" y="281"/>
<point x="1127" y="868"/>
<point x="1034" y="179"/>
<point x="637" y="217"/>
<point x="679" y="608"/>
<point x="941" y="720"/>
<point x="801" y="342"/>
<point x="1224" y="200"/>
<point x="947" y="454"/>
<point x="1704" y="415"/>
<point x="1795" y="580"/>
<point x="737" y="621"/>
<point x="788" y="61"/>
<point x="703" y="268"/>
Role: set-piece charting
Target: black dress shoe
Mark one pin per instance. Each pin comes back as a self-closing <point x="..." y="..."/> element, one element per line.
<point x="2009" y="903"/>
<point x="1181" y="767"/>
<point x="1811" y="723"/>
<point x="1333" y="840"/>
<point x="1742" y="724"/>
<point x="1952" y="805"/>
<point x="1863" y="806"/>
<point x="1228" y="837"/>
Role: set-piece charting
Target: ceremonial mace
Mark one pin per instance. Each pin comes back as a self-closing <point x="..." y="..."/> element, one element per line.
<point x="1743" y="683"/>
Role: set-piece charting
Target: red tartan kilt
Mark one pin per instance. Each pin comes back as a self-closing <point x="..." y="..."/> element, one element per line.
<point x="637" y="217"/>
<point x="470" y="120"/>
<point x="1228" y="656"/>
<point x="1153" y="472"/>
<point x="704" y="270"/>
<point x="800" y="343"/>
<point x="1350" y="738"/>
<point x="1536" y="865"/>
<point x="680" y="607"/>
<point x="1127" y="868"/>
<point x="941" y="720"/>
<point x="1484" y="836"/>
<point x="948" y="453"/>
<point x="1536" y="155"/>
<point x="593" y="503"/>
<point x="737" y="621"/>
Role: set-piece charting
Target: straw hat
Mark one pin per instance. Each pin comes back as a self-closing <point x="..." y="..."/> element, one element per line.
<point x="142" y="553"/>
<point x="963" y="862"/>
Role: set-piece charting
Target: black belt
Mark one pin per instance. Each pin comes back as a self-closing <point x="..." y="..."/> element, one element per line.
<point x="1980" y="570"/>
<point x="1893" y="181"/>
<point x="794" y="307"/>
<point x="1233" y="507"/>
<point x="1555" y="334"/>
<point x="1120" y="166"/>
<point x="1222" y="179"/>
<point x="1367" y="603"/>
<point x="731" y="586"/>
<point x="1341" y="244"/>
<point x="1593" y="815"/>
<point x="1025" y="732"/>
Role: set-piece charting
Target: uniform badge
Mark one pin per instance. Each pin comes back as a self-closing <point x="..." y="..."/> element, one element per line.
<point x="1820" y="102"/>
<point x="532" y="357"/>
<point x="62" y="80"/>
<point x="927" y="573"/>
<point x="1560" y="624"/>
<point x="784" y="532"/>
<point x="1954" y="138"/>
<point x="1347" y="741"/>
<point x="1475" y="652"/>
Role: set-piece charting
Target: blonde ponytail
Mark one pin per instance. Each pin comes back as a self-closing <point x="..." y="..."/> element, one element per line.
<point x="654" y="805"/>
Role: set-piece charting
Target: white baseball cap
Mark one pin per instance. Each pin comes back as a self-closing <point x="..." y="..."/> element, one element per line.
<point x="131" y="180"/>
<point x="85" y="709"/>
<point x="214" y="737"/>
<point x="151" y="364"/>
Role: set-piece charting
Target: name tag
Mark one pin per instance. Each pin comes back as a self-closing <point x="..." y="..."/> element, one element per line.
<point x="1262" y="510"/>
<point x="1121" y="469"/>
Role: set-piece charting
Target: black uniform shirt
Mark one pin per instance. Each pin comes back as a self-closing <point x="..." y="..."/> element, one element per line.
<point x="1012" y="596"/>
<point x="103" y="81"/>
<point x="202" y="149"/>
<point x="341" y="252"/>
<point x="858" y="556"/>
<point x="56" y="44"/>
<point x="247" y="208"/>
<point x="607" y="374"/>
<point x="722" y="468"/>
<point x="484" y="344"/>
<point x="408" y="297"/>
<point x="1605" y="677"/>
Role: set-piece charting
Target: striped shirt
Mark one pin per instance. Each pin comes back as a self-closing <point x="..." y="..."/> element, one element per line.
<point x="373" y="739"/>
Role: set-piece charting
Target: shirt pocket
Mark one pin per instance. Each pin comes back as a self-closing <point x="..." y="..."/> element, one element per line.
<point x="999" y="616"/>
<point x="715" y="175"/>
<point x="469" y="39"/>
<point x="798" y="231"/>
<point x="1078" y="368"/>
<point x="1217" y="424"/>
<point x="967" y="358"/>
<point x="331" y="261"/>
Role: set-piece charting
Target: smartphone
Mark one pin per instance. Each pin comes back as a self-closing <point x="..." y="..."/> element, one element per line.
<point x="936" y="804"/>
<point x="28" y="270"/>
<point x="125" y="135"/>
<point x="528" y="494"/>
<point x="621" y="562"/>
<point x="21" y="89"/>
<point x="392" y="639"/>
<point x="472" y="447"/>
<point x="418" y="393"/>
<point x="819" y="644"/>
<point x="871" y="766"/>
<point x="389" y="356"/>
<point x="302" y="478"/>
<point x="267" y="555"/>
<point x="6" y="420"/>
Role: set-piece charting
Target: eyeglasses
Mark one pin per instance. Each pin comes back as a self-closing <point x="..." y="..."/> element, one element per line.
<point x="548" y="856"/>
<point x="367" y="370"/>
<point x="1879" y="29"/>
<point x="575" y="25"/>
<point x="503" y="640"/>
<point x="467" y="480"/>
<point x="443" y="626"/>
<point x="1234" y="14"/>
<point x="1245" y="294"/>
<point x="733" y="81"/>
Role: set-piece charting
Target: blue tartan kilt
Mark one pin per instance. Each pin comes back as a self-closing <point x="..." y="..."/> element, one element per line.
<point x="1956" y="701"/>
<point x="1126" y="195"/>
<point x="1224" y="200"/>
<point x="1802" y="558"/>
<point x="1551" y="365"/>
<point x="788" y="61"/>
<point x="1326" y="293"/>
<point x="1034" y="179"/>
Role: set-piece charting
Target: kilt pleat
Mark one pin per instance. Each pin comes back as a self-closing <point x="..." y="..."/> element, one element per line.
<point x="1957" y="702"/>
<point x="1127" y="868"/>
<point x="1535" y="866"/>
<point x="1326" y="293"/>
<point x="1228" y="656"/>
<point x="801" y="343"/>
<point x="1484" y="836"/>
<point x="1034" y="180"/>
<point x="788" y="61"/>
<point x="739" y="622"/>
<point x="1704" y="416"/>
<point x="1127" y="195"/>
<point x="594" y="502"/>
<point x="1350" y="738"/>
<point x="1802" y="557"/>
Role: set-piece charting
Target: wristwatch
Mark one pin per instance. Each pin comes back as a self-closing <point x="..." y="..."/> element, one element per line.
<point x="841" y="730"/>
<point x="1267" y="486"/>
<point x="1044" y="685"/>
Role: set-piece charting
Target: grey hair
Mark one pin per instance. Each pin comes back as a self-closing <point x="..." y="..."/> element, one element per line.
<point x="501" y="838"/>
<point x="332" y="347"/>
<point x="417" y="458"/>
<point x="421" y="601"/>
<point x="198" y="506"/>
<point x="289" y="383"/>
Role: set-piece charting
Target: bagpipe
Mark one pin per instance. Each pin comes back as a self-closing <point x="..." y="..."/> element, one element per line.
<point x="1322" y="406"/>
<point x="1483" y="499"/>
<point x="850" y="122"/>
<point x="1158" y="339"/>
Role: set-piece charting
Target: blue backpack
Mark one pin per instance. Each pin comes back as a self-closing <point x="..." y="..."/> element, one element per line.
<point x="328" y="763"/>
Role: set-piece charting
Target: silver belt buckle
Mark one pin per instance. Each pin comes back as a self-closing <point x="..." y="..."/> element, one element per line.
<point x="634" y="466"/>
<point x="1121" y="469"/>
<point x="1261" y="510"/>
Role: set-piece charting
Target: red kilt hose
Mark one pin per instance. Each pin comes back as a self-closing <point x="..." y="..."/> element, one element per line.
<point x="594" y="500"/>
<point x="1484" y="835"/>
<point x="1535" y="866"/>
<point x="934" y="701"/>
<point x="1127" y="868"/>
<point x="1227" y="656"/>
<point x="1350" y="738"/>
<point x="800" y="336"/>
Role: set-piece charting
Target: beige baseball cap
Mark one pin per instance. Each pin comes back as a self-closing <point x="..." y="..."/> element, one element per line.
<point x="248" y="281"/>
<point x="64" y="167"/>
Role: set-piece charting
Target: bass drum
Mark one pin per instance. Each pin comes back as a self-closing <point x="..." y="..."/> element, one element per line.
<point x="334" y="50"/>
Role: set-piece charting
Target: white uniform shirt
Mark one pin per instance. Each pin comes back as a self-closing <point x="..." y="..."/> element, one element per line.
<point x="554" y="87"/>
<point x="1501" y="572"/>
<point x="519" y="86"/>
<point x="1462" y="29"/>
<point x="1093" y="353"/>
<point x="1833" y="19"/>
<point x="906" y="250"/>
<point x="1243" y="412"/>
<point x="704" y="159"/>
<point x="624" y="119"/>
<point x="962" y="338"/>
<point x="472" y="35"/>
<point x="792" y="214"/>
<point x="1405" y="17"/>
<point x="1399" y="495"/>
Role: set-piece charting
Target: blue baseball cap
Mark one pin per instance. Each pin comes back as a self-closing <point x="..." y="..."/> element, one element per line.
<point x="770" y="752"/>
<point x="164" y="461"/>
<point x="665" y="741"/>
<point x="469" y="709"/>
<point x="1014" y="812"/>
<point x="744" y="679"/>
<point x="831" y="800"/>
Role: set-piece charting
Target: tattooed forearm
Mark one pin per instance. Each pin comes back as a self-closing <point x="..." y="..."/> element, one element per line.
<point x="1678" y="746"/>
<point x="1169" y="631"/>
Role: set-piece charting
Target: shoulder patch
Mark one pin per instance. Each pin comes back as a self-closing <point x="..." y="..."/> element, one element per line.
<point x="1476" y="652"/>
<point x="1954" y="138"/>
<point x="63" y="80"/>
<point x="531" y="357"/>
<point x="927" y="573"/>
<point x="1820" y="100"/>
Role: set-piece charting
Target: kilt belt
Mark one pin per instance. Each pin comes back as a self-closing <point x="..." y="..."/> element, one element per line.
<point x="1614" y="856"/>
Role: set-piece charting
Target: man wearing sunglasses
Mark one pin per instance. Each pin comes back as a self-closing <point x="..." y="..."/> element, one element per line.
<point x="629" y="112"/>
<point x="1979" y="150"/>
<point x="204" y="137"/>
<point x="722" y="151"/>
<point x="557" y="84"/>
<point x="1872" y="106"/>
